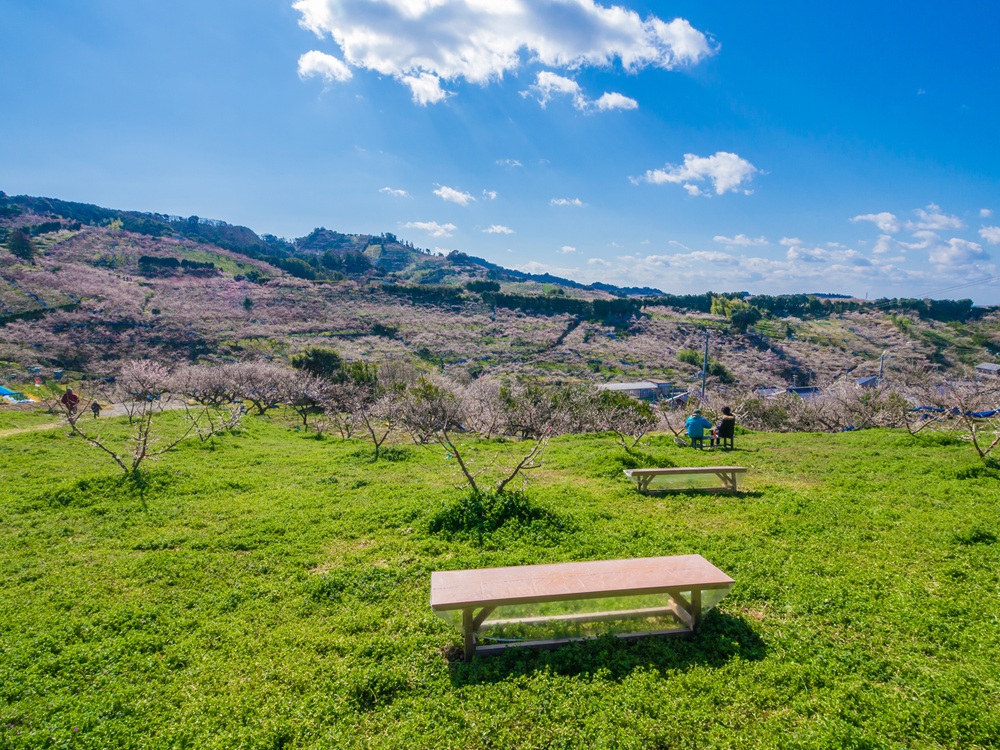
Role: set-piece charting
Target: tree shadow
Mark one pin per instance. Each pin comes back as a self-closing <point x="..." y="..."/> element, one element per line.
<point x="719" y="638"/>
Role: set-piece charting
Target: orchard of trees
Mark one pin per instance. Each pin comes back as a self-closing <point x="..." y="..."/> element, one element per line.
<point x="391" y="401"/>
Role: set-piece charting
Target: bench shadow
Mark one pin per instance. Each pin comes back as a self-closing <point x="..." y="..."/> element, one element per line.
<point x="701" y="493"/>
<point x="719" y="638"/>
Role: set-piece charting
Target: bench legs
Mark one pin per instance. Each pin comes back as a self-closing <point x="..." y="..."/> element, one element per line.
<point x="728" y="479"/>
<point x="687" y="612"/>
<point x="468" y="634"/>
<point x="471" y="622"/>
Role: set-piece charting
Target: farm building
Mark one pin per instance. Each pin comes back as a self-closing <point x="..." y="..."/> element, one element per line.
<point x="643" y="389"/>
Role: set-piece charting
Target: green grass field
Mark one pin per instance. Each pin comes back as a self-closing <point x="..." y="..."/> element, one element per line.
<point x="270" y="590"/>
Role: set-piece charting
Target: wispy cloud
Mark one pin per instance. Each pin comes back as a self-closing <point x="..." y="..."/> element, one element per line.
<point x="454" y="196"/>
<point x="726" y="172"/>
<point x="991" y="235"/>
<point x="837" y="255"/>
<point x="957" y="252"/>
<point x="566" y="249"/>
<point x="835" y="268"/>
<point x="933" y="218"/>
<point x="498" y="229"/>
<point x="884" y="220"/>
<point x="432" y="228"/>
<point x="566" y="202"/>
<point x="509" y="163"/>
<point x="741" y="240"/>
<point x="489" y="195"/>
<point x="613" y="100"/>
<point x="394" y="192"/>
<point x="548" y="85"/>
<point x="425" y="88"/>
<point x="421" y="43"/>
<point x="325" y="66"/>
<point x="598" y="262"/>
<point x="985" y="213"/>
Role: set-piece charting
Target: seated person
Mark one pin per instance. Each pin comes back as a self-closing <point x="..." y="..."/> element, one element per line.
<point x="725" y="428"/>
<point x="696" y="425"/>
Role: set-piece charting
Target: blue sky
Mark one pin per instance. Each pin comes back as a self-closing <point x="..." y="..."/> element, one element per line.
<point x="775" y="147"/>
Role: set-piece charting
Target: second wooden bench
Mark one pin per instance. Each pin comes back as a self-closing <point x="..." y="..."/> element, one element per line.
<point x="728" y="475"/>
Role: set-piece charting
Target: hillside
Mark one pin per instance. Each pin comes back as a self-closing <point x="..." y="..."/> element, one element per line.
<point x="105" y="285"/>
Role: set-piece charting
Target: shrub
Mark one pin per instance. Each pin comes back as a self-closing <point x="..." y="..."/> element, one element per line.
<point x="485" y="512"/>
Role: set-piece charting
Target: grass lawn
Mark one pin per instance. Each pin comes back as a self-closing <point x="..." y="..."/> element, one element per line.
<point x="270" y="590"/>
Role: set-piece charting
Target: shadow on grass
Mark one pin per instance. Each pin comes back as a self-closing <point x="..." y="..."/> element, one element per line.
<point x="118" y="490"/>
<point x="719" y="639"/>
<point x="701" y="492"/>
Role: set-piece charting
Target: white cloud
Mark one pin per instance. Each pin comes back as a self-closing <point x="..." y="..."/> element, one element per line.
<point x="319" y="64"/>
<point x="924" y="239"/>
<point x="509" y="163"/>
<point x="548" y="84"/>
<point x="991" y="235"/>
<point x="598" y="262"/>
<point x="741" y="240"/>
<point x="498" y="229"/>
<point x="534" y="266"/>
<point x="455" y="196"/>
<point x="958" y="252"/>
<point x="837" y="255"/>
<point x="813" y="255"/>
<point x="432" y="228"/>
<point x="789" y="241"/>
<point x="985" y="213"/>
<point x="422" y="42"/>
<point x="566" y="249"/>
<point x="884" y="220"/>
<point x="490" y="195"/>
<point x="726" y="171"/>
<point x="932" y="218"/>
<point x="613" y="100"/>
<point x="837" y="269"/>
<point x="886" y="244"/>
<point x="566" y="202"/>
<point x="693" y="259"/>
<point x="394" y="193"/>
<point x="425" y="89"/>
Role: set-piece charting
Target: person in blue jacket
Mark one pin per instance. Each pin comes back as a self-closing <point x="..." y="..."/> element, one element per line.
<point x="696" y="425"/>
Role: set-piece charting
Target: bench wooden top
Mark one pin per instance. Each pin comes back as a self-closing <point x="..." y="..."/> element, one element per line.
<point x="462" y="589"/>
<point x="688" y="470"/>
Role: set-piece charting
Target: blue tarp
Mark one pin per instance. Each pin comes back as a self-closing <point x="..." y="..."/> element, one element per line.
<point x="956" y="410"/>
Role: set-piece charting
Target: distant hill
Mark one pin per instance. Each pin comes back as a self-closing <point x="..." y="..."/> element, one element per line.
<point x="92" y="286"/>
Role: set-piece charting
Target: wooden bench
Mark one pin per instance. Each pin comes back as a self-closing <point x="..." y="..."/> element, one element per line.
<point x="728" y="475"/>
<point x="681" y="588"/>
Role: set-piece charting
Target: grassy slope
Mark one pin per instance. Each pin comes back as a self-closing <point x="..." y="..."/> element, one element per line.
<point x="272" y="592"/>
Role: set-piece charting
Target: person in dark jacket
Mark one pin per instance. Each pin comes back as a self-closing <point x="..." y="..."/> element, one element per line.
<point x="725" y="428"/>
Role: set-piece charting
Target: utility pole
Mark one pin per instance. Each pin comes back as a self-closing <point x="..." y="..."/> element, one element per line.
<point x="704" y="367"/>
<point x="880" y="361"/>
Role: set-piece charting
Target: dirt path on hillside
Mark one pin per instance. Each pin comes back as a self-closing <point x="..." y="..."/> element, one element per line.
<point x="52" y="426"/>
<point x="118" y="410"/>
